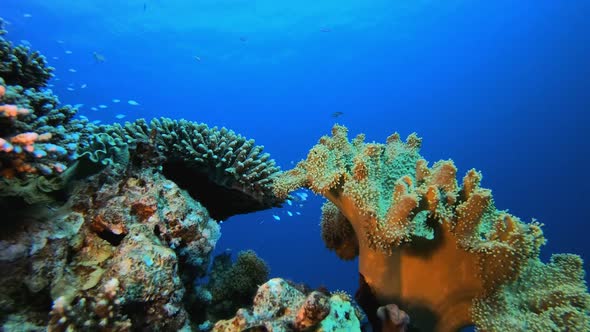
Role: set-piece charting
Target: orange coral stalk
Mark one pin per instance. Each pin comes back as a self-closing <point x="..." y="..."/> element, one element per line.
<point x="442" y="252"/>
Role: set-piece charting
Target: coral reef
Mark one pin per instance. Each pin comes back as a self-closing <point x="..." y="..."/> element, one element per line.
<point x="20" y="66"/>
<point x="111" y="228"/>
<point x="224" y="171"/>
<point x="121" y="248"/>
<point x="100" y="313"/>
<point x="101" y="233"/>
<point x="438" y="250"/>
<point x="39" y="138"/>
<point x="233" y="284"/>
<point x="278" y="306"/>
<point x="140" y="229"/>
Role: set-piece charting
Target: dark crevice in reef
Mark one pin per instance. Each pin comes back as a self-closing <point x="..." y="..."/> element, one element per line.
<point x="21" y="215"/>
<point x="110" y="237"/>
<point x="221" y="201"/>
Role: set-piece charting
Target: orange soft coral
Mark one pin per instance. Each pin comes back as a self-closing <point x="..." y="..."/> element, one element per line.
<point x="435" y="248"/>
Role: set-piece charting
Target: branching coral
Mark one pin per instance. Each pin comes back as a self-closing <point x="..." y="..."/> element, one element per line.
<point x="38" y="137"/>
<point x="226" y="172"/>
<point x="437" y="249"/>
<point x="38" y="142"/>
<point x="25" y="146"/>
<point x="20" y="66"/>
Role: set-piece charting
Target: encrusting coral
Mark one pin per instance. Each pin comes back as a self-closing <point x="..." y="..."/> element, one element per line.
<point x="278" y="306"/>
<point x="100" y="313"/>
<point x="140" y="229"/>
<point x="440" y="251"/>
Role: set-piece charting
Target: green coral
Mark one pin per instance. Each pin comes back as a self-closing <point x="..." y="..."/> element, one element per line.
<point x="106" y="150"/>
<point x="33" y="189"/>
<point x="226" y="172"/>
<point x="342" y="316"/>
<point x="232" y="285"/>
<point x="368" y="174"/>
<point x="545" y="297"/>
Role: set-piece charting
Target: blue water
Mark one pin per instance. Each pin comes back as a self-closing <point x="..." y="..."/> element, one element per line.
<point x="502" y="86"/>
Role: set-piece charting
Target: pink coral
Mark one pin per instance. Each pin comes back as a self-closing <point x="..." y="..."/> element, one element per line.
<point x="393" y="318"/>
<point x="12" y="111"/>
<point x="24" y="138"/>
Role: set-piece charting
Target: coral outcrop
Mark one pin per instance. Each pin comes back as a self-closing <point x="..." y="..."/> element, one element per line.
<point x="226" y="172"/>
<point x="100" y="230"/>
<point x="100" y="313"/>
<point x="140" y="229"/>
<point x="223" y="170"/>
<point x="439" y="250"/>
<point x="278" y="306"/>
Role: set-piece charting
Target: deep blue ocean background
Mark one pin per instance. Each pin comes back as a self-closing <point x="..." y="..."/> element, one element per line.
<point x="501" y="86"/>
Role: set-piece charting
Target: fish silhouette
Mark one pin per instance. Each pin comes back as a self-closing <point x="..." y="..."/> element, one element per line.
<point x="99" y="58"/>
